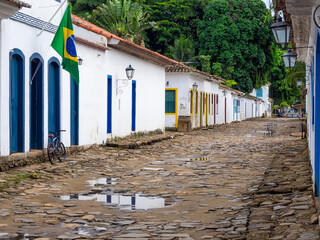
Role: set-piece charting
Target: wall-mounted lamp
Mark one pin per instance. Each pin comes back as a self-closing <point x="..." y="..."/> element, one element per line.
<point x="167" y="83"/>
<point x="80" y="60"/>
<point x="224" y="92"/>
<point x="195" y="87"/>
<point x="299" y="82"/>
<point x="281" y="32"/>
<point x="289" y="59"/>
<point x="129" y="72"/>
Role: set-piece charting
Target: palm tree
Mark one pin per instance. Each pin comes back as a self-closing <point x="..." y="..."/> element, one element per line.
<point x="182" y="50"/>
<point x="122" y="18"/>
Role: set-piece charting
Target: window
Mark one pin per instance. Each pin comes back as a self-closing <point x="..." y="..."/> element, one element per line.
<point x="191" y="102"/>
<point x="197" y="101"/>
<point x="209" y="106"/>
<point x="217" y="103"/>
<point x="170" y="101"/>
<point x="259" y="93"/>
<point x="204" y="103"/>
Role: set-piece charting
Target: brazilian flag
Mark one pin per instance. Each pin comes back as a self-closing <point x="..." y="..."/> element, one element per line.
<point x="64" y="43"/>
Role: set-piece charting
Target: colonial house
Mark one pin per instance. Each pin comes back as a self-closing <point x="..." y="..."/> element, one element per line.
<point x="37" y="96"/>
<point x="195" y="99"/>
<point x="305" y="25"/>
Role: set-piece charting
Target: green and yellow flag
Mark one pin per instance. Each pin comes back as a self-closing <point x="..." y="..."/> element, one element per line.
<point x="64" y="44"/>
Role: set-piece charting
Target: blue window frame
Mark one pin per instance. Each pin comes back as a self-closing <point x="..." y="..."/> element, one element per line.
<point x="259" y="93"/>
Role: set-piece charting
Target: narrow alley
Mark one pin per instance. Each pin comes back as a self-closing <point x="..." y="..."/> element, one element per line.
<point x="229" y="182"/>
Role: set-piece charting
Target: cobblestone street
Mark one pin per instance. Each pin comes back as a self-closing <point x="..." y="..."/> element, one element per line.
<point x="230" y="182"/>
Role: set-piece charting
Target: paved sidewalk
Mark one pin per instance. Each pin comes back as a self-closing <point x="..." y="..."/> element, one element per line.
<point x="230" y="182"/>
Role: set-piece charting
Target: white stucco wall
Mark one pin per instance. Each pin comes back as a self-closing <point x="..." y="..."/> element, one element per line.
<point x="97" y="65"/>
<point x="183" y="83"/>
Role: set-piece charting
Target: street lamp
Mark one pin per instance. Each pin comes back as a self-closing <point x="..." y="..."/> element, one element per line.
<point x="281" y="31"/>
<point x="130" y="72"/>
<point x="289" y="59"/>
<point x="194" y="88"/>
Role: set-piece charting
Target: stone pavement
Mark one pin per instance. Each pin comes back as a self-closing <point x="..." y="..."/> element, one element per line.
<point x="230" y="182"/>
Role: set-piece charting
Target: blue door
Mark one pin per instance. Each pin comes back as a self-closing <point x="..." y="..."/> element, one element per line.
<point x="16" y="102"/>
<point x="36" y="103"/>
<point x="316" y="110"/>
<point x="74" y="112"/>
<point x="133" y="115"/>
<point x="109" y="105"/>
<point x="53" y="96"/>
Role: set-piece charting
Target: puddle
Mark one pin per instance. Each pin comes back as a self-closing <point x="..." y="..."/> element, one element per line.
<point x="102" y="181"/>
<point x="152" y="169"/>
<point x="124" y="201"/>
<point x="3" y="234"/>
<point x="134" y="202"/>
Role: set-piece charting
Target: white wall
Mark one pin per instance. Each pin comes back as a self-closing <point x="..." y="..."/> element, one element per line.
<point x="97" y="64"/>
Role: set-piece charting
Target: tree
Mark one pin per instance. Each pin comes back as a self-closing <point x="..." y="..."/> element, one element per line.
<point x="83" y="8"/>
<point x="236" y="34"/>
<point x="182" y="50"/>
<point x="175" y="18"/>
<point x="122" y="18"/>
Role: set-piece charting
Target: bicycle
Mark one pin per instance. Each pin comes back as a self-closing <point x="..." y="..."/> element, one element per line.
<point x="56" y="148"/>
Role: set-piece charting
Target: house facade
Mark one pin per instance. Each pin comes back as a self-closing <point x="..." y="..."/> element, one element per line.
<point x="209" y="104"/>
<point x="306" y="37"/>
<point x="38" y="96"/>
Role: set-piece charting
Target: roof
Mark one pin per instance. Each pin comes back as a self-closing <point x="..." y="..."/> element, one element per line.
<point x="125" y="45"/>
<point x="182" y="68"/>
<point x="18" y="3"/>
<point x="242" y="94"/>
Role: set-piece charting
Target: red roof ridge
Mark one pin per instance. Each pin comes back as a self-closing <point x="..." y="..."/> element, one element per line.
<point x="93" y="28"/>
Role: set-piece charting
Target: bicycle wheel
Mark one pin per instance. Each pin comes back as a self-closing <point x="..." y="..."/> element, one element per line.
<point x="61" y="152"/>
<point x="51" y="153"/>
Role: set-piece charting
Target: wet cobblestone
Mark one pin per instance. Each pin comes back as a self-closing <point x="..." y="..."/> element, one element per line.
<point x="230" y="182"/>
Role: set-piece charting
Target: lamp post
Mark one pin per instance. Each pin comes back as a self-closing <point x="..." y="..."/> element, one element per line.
<point x="194" y="88"/>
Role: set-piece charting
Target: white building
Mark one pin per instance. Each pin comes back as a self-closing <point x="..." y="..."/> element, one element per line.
<point x="263" y="93"/>
<point x="212" y="103"/>
<point x="37" y="96"/>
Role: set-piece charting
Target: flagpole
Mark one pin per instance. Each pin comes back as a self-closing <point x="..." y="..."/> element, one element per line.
<point x="51" y="18"/>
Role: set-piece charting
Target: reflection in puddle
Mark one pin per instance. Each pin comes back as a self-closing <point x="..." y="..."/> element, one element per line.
<point x="135" y="202"/>
<point x="102" y="181"/>
<point x="123" y="201"/>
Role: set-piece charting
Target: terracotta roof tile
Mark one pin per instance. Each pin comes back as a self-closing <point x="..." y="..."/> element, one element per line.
<point x="18" y="3"/>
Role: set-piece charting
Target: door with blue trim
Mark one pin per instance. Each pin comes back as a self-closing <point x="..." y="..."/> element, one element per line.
<point x="36" y="104"/>
<point x="74" y="119"/>
<point x="109" y="105"/>
<point x="133" y="113"/>
<point x="53" y="97"/>
<point x="16" y="103"/>
<point x="316" y="110"/>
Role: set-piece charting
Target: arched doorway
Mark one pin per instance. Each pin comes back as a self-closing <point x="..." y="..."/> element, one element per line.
<point x="36" y="102"/>
<point x="53" y="95"/>
<point x="16" y="111"/>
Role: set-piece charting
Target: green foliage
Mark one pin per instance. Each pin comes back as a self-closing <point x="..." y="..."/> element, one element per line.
<point x="236" y="34"/>
<point x="284" y="104"/>
<point x="216" y="69"/>
<point x="83" y="8"/>
<point x="204" y="61"/>
<point x="230" y="83"/>
<point x="175" y="18"/>
<point x="122" y="18"/>
<point x="182" y="50"/>
<point x="283" y="82"/>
